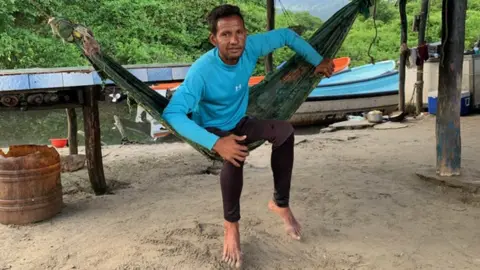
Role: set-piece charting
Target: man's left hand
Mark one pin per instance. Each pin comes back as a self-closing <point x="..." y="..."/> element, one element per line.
<point x="326" y="67"/>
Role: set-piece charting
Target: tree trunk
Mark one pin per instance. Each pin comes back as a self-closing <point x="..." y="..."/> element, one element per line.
<point x="450" y="81"/>
<point x="403" y="55"/>
<point x="270" y="26"/>
<point x="93" y="146"/>
<point x="421" y="41"/>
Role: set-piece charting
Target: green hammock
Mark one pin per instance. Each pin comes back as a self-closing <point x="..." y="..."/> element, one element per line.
<point x="270" y="99"/>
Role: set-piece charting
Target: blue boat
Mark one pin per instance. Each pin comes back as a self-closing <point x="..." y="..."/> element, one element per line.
<point x="360" y="73"/>
<point x="378" y="85"/>
<point x="357" y="90"/>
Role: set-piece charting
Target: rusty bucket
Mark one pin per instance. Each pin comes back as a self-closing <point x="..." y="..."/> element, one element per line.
<point x="30" y="185"/>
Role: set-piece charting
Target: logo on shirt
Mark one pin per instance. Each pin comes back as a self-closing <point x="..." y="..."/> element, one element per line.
<point x="238" y="87"/>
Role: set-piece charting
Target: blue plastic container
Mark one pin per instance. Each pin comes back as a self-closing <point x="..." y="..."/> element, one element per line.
<point x="464" y="106"/>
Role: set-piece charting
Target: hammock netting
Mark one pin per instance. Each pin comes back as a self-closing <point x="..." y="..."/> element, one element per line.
<point x="272" y="98"/>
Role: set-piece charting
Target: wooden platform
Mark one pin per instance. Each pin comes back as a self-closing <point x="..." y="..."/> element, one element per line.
<point x="70" y="88"/>
<point x="49" y="78"/>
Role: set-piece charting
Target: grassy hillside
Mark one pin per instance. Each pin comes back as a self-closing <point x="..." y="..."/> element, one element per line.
<point x="163" y="31"/>
<point x="387" y="45"/>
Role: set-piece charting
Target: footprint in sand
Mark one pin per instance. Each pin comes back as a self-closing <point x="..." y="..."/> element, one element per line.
<point x="200" y="242"/>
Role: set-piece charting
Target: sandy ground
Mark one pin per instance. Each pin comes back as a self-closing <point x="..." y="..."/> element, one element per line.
<point x="355" y="192"/>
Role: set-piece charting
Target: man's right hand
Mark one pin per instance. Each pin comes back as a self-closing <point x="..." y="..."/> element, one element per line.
<point x="229" y="149"/>
<point x="326" y="67"/>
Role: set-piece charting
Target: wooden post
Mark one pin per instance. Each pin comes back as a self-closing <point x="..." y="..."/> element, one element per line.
<point x="450" y="80"/>
<point x="93" y="147"/>
<point x="72" y="131"/>
<point x="421" y="41"/>
<point x="270" y="26"/>
<point x="403" y="55"/>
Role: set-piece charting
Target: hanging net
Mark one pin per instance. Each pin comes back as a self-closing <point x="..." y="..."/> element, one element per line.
<point x="273" y="98"/>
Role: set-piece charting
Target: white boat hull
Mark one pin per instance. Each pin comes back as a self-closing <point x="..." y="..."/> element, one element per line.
<point x="318" y="112"/>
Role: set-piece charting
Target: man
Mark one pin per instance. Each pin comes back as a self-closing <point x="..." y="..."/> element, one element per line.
<point x="215" y="91"/>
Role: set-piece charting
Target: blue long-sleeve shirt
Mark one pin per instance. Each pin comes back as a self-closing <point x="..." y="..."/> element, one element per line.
<point x="217" y="94"/>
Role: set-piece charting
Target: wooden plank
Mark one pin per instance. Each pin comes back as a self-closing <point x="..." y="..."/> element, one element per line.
<point x="449" y="93"/>
<point x="40" y="90"/>
<point x="84" y="69"/>
<point x="42" y="107"/>
<point x="403" y="55"/>
<point x="421" y="41"/>
<point x="93" y="147"/>
<point x="159" y="74"/>
<point x="45" y="80"/>
<point x="355" y="124"/>
<point x="72" y="131"/>
<point x="270" y="26"/>
<point x="179" y="73"/>
<point x="14" y="82"/>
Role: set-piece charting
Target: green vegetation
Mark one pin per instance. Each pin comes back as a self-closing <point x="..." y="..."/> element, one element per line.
<point x="387" y="45"/>
<point x="165" y="31"/>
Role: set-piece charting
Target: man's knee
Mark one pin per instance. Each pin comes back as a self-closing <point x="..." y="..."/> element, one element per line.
<point x="283" y="131"/>
<point x="284" y="128"/>
<point x="288" y="128"/>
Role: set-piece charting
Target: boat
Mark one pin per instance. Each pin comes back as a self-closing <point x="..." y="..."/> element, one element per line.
<point x="348" y="91"/>
<point x="333" y="102"/>
<point x="158" y="130"/>
<point x="341" y="65"/>
<point x="360" y="73"/>
<point x="358" y="80"/>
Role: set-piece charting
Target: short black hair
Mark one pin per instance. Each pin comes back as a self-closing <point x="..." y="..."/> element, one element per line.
<point x="220" y="12"/>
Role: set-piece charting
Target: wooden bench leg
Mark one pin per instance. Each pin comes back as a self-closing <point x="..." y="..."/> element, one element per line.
<point x="93" y="147"/>
<point x="72" y="131"/>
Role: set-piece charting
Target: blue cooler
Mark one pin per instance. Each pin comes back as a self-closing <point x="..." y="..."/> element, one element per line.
<point x="464" y="105"/>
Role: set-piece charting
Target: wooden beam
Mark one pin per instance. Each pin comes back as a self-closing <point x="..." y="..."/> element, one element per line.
<point x="93" y="147"/>
<point x="421" y="42"/>
<point x="270" y="26"/>
<point x="72" y="131"/>
<point x="41" y="108"/>
<point x="449" y="88"/>
<point x="403" y="54"/>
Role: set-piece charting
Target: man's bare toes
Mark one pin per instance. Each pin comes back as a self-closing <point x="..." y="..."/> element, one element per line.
<point x="238" y="260"/>
<point x="293" y="229"/>
<point x="231" y="262"/>
<point x="294" y="234"/>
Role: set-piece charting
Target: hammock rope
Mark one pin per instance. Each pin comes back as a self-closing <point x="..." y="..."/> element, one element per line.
<point x="272" y="98"/>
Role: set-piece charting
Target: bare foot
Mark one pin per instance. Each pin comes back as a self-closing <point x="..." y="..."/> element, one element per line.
<point x="232" y="254"/>
<point x="292" y="227"/>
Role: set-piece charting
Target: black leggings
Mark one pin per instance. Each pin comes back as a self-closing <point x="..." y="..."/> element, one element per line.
<point x="281" y="135"/>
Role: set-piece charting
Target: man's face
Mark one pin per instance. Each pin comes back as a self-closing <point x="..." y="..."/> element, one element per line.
<point x="230" y="38"/>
